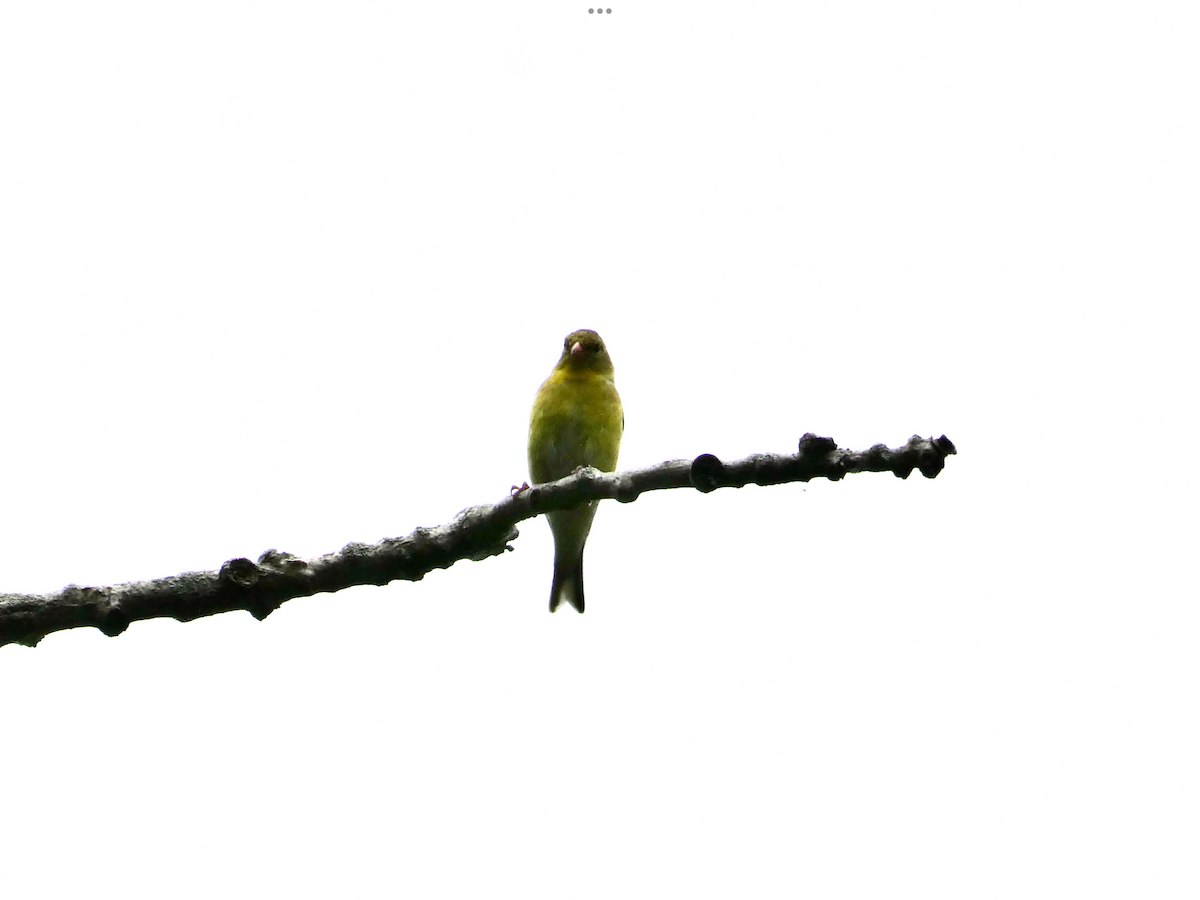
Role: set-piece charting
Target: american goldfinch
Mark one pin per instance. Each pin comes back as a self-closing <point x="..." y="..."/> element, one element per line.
<point x="577" y="421"/>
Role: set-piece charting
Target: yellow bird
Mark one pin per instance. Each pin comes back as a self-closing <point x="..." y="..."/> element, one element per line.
<point x="577" y="421"/>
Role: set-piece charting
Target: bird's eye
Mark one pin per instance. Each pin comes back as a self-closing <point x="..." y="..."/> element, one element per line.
<point x="595" y="348"/>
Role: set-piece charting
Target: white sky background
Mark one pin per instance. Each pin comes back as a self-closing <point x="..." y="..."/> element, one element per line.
<point x="288" y="275"/>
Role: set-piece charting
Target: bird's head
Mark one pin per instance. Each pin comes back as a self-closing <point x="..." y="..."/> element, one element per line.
<point x="584" y="351"/>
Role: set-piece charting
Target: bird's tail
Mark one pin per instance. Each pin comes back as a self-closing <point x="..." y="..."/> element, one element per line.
<point x="567" y="584"/>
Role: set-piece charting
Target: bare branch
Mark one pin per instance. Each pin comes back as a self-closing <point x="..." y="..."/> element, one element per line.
<point x="475" y="533"/>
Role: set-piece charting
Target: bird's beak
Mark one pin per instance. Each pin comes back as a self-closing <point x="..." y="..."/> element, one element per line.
<point x="577" y="349"/>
